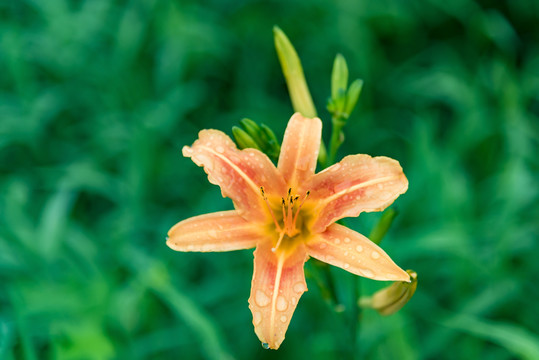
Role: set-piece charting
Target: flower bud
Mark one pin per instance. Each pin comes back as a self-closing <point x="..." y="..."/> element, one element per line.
<point x="391" y="299"/>
<point x="353" y="94"/>
<point x="243" y="139"/>
<point x="339" y="83"/>
<point x="293" y="73"/>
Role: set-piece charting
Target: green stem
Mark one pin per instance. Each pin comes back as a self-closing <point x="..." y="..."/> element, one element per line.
<point x="356" y="313"/>
<point x="336" y="139"/>
<point x="331" y="285"/>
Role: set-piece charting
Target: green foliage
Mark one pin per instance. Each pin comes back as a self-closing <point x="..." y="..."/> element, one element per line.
<point x="98" y="97"/>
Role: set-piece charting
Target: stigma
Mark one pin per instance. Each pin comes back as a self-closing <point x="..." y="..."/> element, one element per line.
<point x="290" y="209"/>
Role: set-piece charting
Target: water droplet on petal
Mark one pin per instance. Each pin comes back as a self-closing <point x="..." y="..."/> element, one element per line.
<point x="283" y="318"/>
<point x="323" y="246"/>
<point x="212" y="233"/>
<point x="265" y="346"/>
<point x="346" y="240"/>
<point x="337" y="241"/>
<point x="380" y="186"/>
<point x="346" y="253"/>
<point x="346" y="265"/>
<point x="257" y="318"/>
<point x="359" y="248"/>
<point x="375" y="255"/>
<point x="367" y="272"/>
<point x="281" y="304"/>
<point x="220" y="149"/>
<point x="299" y="287"/>
<point x="336" y="167"/>
<point x="261" y="299"/>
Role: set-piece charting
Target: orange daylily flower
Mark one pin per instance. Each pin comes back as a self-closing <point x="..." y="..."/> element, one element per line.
<point x="288" y="213"/>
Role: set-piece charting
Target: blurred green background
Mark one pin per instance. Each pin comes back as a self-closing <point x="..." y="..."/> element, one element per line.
<point x="97" y="98"/>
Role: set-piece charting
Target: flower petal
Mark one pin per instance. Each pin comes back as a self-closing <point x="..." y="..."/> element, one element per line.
<point x="278" y="283"/>
<point x="299" y="151"/>
<point x="347" y="249"/>
<point x="357" y="183"/>
<point x="239" y="173"/>
<point x="220" y="231"/>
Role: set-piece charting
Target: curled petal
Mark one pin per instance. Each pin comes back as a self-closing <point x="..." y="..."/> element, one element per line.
<point x="357" y="183"/>
<point x="299" y="151"/>
<point x="220" y="231"/>
<point x="239" y="173"/>
<point x="278" y="283"/>
<point x="353" y="252"/>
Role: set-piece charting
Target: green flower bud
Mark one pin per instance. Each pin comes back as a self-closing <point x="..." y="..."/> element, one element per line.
<point x="243" y="139"/>
<point x="272" y="148"/>
<point x="293" y="73"/>
<point x="391" y="299"/>
<point x="250" y="127"/>
<point x="352" y="96"/>
<point x="339" y="83"/>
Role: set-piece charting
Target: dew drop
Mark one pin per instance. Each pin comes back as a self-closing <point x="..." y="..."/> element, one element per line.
<point x="337" y="241"/>
<point x="346" y="253"/>
<point x="336" y="167"/>
<point x="359" y="248"/>
<point x="212" y="233"/>
<point x="261" y="299"/>
<point x="294" y="300"/>
<point x="257" y="318"/>
<point x="380" y="186"/>
<point x="190" y="247"/>
<point x="375" y="255"/>
<point x="283" y="318"/>
<point x="265" y="346"/>
<point x="346" y="240"/>
<point x="299" y="287"/>
<point x="323" y="246"/>
<point x="367" y="272"/>
<point x="282" y="304"/>
<point x="346" y="265"/>
<point x="220" y="149"/>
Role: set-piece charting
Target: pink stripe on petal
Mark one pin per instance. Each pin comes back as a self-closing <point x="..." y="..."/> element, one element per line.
<point x="299" y="151"/>
<point x="357" y="183"/>
<point x="278" y="283"/>
<point x="239" y="173"/>
<point x="353" y="252"/>
<point x="221" y="231"/>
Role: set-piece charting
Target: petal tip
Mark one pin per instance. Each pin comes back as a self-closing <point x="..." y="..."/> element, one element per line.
<point x="187" y="151"/>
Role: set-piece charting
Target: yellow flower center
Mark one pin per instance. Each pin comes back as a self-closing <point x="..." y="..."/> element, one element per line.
<point x="286" y="218"/>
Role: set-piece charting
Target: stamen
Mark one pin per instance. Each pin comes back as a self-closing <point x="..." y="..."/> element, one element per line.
<point x="271" y="211"/>
<point x="299" y="208"/>
<point x="289" y="225"/>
